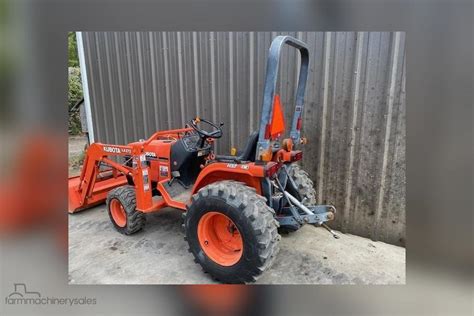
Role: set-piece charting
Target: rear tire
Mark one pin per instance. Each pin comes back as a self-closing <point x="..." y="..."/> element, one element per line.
<point x="304" y="189"/>
<point x="304" y="185"/>
<point x="121" y="206"/>
<point x="248" y="215"/>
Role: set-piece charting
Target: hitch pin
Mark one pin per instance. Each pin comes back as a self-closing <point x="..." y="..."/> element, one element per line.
<point x="330" y="230"/>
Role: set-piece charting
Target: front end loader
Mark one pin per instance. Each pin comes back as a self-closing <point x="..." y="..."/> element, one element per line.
<point x="234" y="206"/>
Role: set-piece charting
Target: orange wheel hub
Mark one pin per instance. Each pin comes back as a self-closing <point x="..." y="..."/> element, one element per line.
<point x="118" y="213"/>
<point x="220" y="239"/>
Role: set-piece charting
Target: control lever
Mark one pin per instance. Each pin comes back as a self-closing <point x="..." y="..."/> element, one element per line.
<point x="174" y="175"/>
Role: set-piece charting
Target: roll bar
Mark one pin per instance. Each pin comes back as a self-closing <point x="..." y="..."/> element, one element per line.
<point x="270" y="87"/>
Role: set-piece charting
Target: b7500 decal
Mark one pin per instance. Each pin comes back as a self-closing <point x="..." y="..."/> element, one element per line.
<point x="150" y="154"/>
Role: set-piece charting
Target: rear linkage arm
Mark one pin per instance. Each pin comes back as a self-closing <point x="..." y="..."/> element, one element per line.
<point x="316" y="215"/>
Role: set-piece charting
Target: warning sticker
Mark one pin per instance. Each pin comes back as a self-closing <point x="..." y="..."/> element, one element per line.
<point x="164" y="171"/>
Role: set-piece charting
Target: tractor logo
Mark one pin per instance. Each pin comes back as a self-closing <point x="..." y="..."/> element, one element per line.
<point x="116" y="150"/>
<point x="111" y="149"/>
<point x="20" y="291"/>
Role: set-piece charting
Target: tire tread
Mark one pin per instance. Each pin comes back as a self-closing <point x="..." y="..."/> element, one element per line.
<point x="263" y="224"/>
<point x="135" y="219"/>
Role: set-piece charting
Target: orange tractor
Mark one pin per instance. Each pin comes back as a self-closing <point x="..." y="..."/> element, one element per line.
<point x="233" y="206"/>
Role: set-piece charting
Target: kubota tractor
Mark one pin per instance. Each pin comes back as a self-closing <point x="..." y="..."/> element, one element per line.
<point x="233" y="206"/>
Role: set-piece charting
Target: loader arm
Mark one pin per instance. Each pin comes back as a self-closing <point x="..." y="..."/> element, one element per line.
<point x="174" y="133"/>
<point x="96" y="154"/>
<point x="92" y="185"/>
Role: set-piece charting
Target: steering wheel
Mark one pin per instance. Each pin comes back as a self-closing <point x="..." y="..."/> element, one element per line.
<point x="215" y="133"/>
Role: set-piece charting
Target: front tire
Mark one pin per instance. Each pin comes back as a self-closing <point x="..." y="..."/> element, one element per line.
<point x="121" y="206"/>
<point x="231" y="232"/>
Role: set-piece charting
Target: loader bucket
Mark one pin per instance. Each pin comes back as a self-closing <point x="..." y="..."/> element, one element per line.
<point x="78" y="200"/>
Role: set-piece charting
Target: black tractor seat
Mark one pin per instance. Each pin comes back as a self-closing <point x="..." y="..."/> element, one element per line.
<point x="247" y="154"/>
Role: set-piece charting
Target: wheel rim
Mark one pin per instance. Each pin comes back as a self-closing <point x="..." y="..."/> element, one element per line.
<point x="220" y="239"/>
<point x="118" y="213"/>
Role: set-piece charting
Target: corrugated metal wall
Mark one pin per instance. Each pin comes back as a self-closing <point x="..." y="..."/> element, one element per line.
<point x="354" y="116"/>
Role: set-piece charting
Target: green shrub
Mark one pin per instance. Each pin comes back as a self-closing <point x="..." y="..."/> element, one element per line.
<point x="74" y="95"/>
<point x="72" y="50"/>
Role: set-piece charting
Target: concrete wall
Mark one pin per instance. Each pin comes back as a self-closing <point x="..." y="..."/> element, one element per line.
<point x="354" y="116"/>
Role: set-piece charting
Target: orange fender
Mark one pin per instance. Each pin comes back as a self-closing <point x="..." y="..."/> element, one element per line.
<point x="249" y="173"/>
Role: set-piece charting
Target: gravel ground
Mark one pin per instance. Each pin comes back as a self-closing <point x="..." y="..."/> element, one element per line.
<point x="158" y="255"/>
